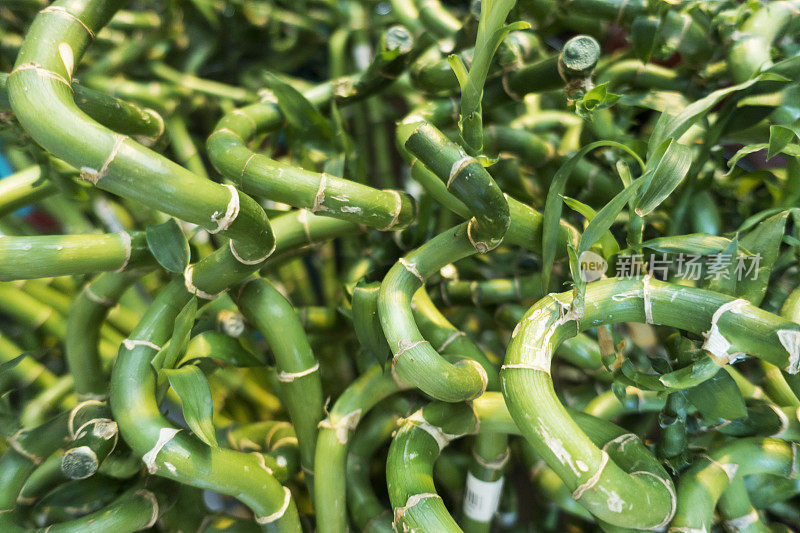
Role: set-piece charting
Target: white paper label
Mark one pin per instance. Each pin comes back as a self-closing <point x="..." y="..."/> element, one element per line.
<point x="481" y="498"/>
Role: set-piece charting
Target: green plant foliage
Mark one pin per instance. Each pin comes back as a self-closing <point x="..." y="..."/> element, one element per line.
<point x="289" y="266"/>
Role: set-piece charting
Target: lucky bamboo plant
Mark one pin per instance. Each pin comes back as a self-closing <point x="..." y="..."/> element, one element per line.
<point x="414" y="266"/>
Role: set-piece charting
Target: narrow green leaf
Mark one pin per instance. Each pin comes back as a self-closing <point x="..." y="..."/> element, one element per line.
<point x="669" y="125"/>
<point x="607" y="215"/>
<point x="302" y="116"/>
<point x="764" y="242"/>
<point x="725" y="282"/>
<point x="170" y="354"/>
<point x="655" y="100"/>
<point x="459" y="69"/>
<point x="780" y="136"/>
<point x="169" y="245"/>
<point x="792" y="150"/>
<point x="644" y="35"/>
<point x="664" y="171"/>
<point x="624" y="172"/>
<point x="487" y="161"/>
<point x="218" y="348"/>
<point x="553" y="204"/>
<point x="595" y="99"/>
<point x="607" y="241"/>
<point x="191" y="386"/>
<point x="694" y="243"/>
<point x="743" y="152"/>
<point x="500" y="34"/>
<point x="8" y="366"/>
<point x="718" y="398"/>
<point x="752" y="220"/>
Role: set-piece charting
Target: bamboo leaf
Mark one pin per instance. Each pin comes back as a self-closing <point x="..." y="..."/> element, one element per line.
<point x="170" y="354"/>
<point x="718" y="398"/>
<point x="644" y="35"/>
<point x="607" y="215"/>
<point x="780" y="136"/>
<point x="753" y="220"/>
<point x="607" y="241"/>
<point x="743" y="152"/>
<point x="595" y="99"/>
<point x="664" y="171"/>
<point x="726" y="281"/>
<point x="459" y="69"/>
<point x="302" y="116"/>
<point x="191" y="386"/>
<point x="764" y="242"/>
<point x="218" y="348"/>
<point x="788" y="149"/>
<point x="669" y="125"/>
<point x="553" y="204"/>
<point x="169" y="245"/>
<point x="694" y="243"/>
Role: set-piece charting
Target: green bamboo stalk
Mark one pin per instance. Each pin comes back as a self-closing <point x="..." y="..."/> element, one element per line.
<point x="184" y="146"/>
<point x="528" y="362"/>
<point x="409" y="469"/>
<point x="85" y="317"/>
<point x="367" y="511"/>
<point x="735" y="504"/>
<point x="468" y="181"/>
<point x="27" y="371"/>
<point x="394" y="51"/>
<point x="145" y="124"/>
<point x="491" y="292"/>
<point x="438" y="76"/>
<point x="23" y="188"/>
<point x="195" y="84"/>
<point x="28" y="449"/>
<point x="47" y="256"/>
<point x="485" y="480"/>
<point x="41" y="97"/>
<point x="414" y="360"/>
<point x="330" y="485"/>
<point x="150" y="435"/>
<point x="436" y="18"/>
<point x="319" y="193"/>
<point x="46" y="477"/>
<point x="446" y="339"/>
<point x="91" y="444"/>
<point x="276" y="438"/>
<point x="701" y="487"/>
<point x="634" y="73"/>
<point x="298" y="369"/>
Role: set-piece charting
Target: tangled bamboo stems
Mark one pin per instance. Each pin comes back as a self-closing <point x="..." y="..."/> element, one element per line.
<point x="415" y="266"/>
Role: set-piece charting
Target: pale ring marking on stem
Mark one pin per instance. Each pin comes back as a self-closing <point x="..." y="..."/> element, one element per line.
<point x="231" y="211"/>
<point x="280" y="512"/>
<point x="125" y="239"/>
<point x="593" y="479"/>
<point x="343" y="425"/>
<point x="412" y="268"/>
<point x="43" y="72"/>
<point x="398" y="208"/>
<point x="61" y="11"/>
<point x="164" y="436"/>
<point x="187" y="279"/>
<point x="288" y="377"/>
<point x="93" y="176"/>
